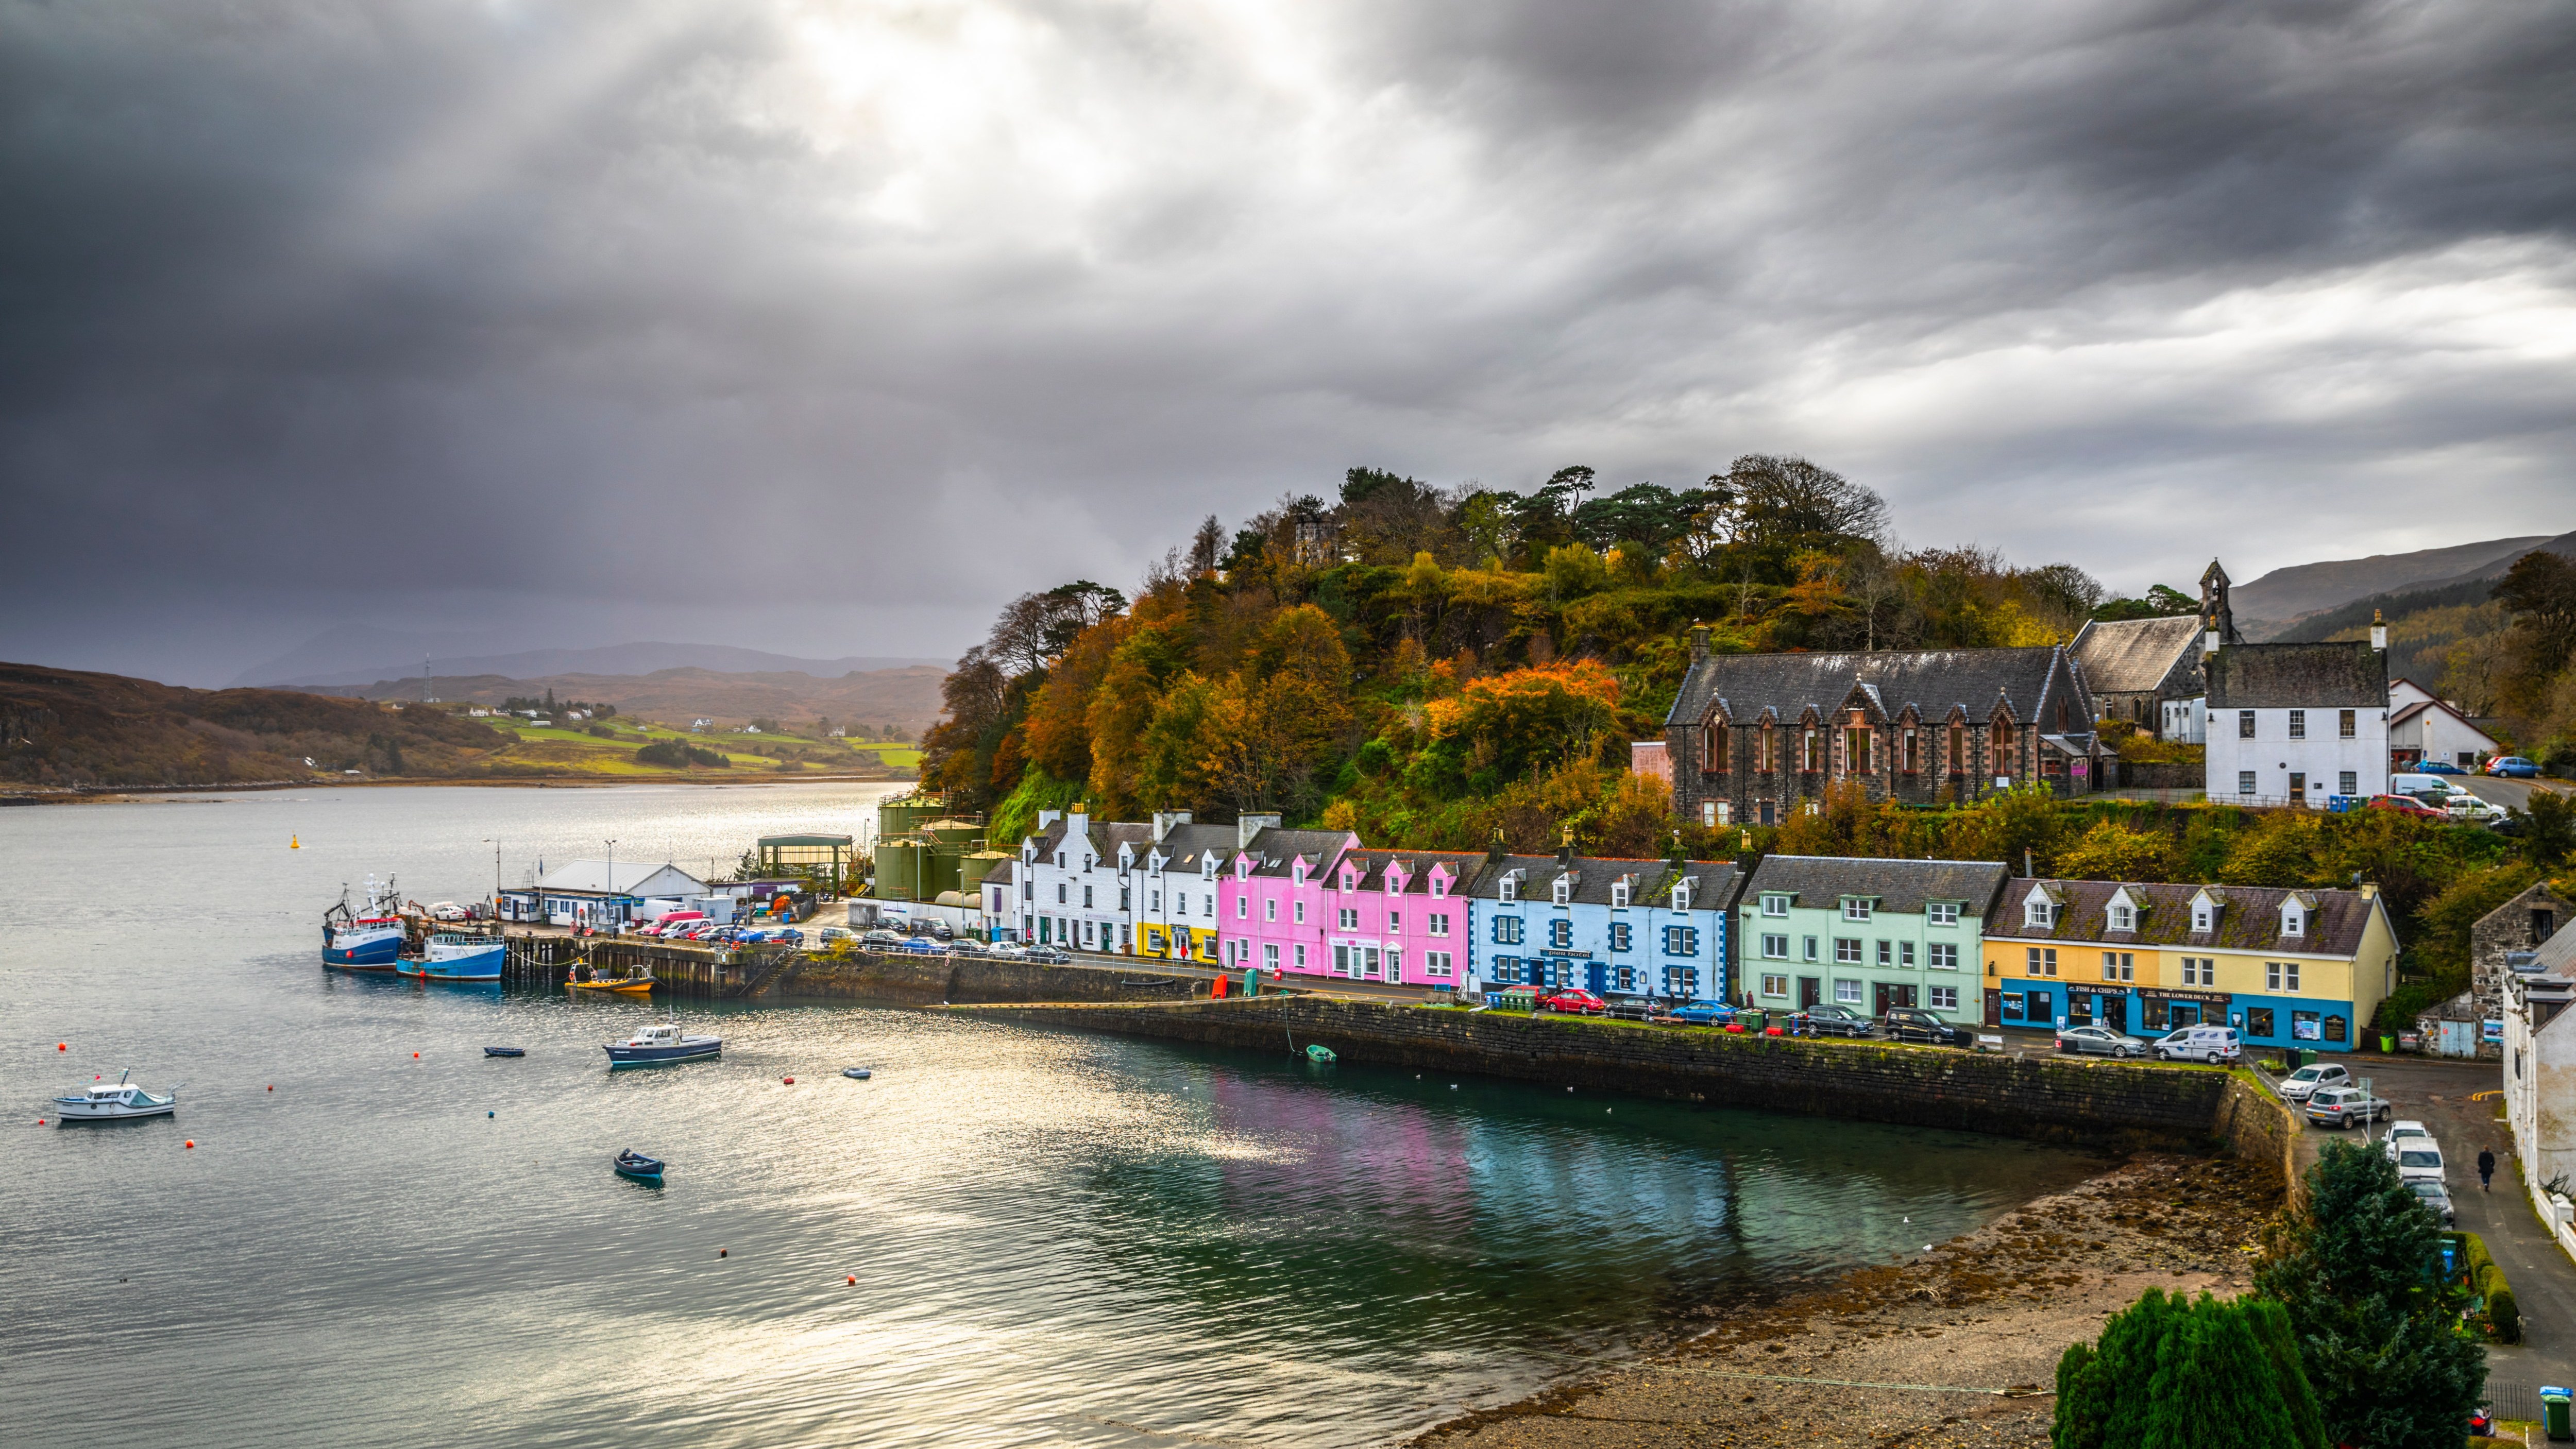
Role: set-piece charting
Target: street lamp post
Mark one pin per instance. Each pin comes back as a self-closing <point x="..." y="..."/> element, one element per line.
<point x="612" y="881"/>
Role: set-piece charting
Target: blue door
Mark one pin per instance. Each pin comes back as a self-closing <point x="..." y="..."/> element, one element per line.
<point x="1598" y="978"/>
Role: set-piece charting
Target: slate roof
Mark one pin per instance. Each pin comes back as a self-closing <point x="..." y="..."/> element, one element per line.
<point x="1821" y="881"/>
<point x="2134" y="656"/>
<point x="1652" y="880"/>
<point x="2558" y="954"/>
<point x="1372" y="865"/>
<point x="2295" y="676"/>
<point x="1106" y="836"/>
<point x="630" y="875"/>
<point x="1188" y="846"/>
<point x="2249" y="918"/>
<point x="1931" y="680"/>
<point x="1273" y="849"/>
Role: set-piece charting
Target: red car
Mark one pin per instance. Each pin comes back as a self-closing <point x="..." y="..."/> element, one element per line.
<point x="2406" y="805"/>
<point x="1576" y="1000"/>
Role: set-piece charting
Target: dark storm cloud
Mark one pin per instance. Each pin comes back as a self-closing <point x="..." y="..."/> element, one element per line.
<point x="825" y="327"/>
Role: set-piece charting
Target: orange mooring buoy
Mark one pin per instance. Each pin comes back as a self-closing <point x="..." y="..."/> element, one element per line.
<point x="191" y="1142"/>
<point x="272" y="1086"/>
<point x="720" y="1252"/>
<point x="294" y="842"/>
<point x="854" y="1280"/>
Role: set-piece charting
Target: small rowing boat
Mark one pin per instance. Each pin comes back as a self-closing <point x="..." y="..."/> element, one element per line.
<point x="505" y="1051"/>
<point x="856" y="1074"/>
<point x="633" y="1164"/>
<point x="1319" y="1053"/>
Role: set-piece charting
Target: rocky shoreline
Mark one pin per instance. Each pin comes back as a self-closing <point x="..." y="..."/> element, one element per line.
<point x="1956" y="1347"/>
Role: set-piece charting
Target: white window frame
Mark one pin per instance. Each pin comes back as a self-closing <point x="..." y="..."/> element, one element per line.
<point x="1941" y="913"/>
<point x="1775" y="948"/>
<point x="1775" y="985"/>
<point x="1439" y="923"/>
<point x="1944" y="956"/>
<point x="2124" y="917"/>
<point x="1943" y="998"/>
<point x="1847" y="991"/>
<point x="1856" y="908"/>
<point x="1776" y="907"/>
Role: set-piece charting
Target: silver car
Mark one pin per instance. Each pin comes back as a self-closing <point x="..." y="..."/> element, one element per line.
<point x="2081" y="1039"/>
<point x="2343" y="1106"/>
<point x="2435" y="1197"/>
<point x="2299" y="1084"/>
<point x="2420" y="1161"/>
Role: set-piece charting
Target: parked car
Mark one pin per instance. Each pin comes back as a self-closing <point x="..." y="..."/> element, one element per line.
<point x="1049" y="956"/>
<point x="2405" y="1133"/>
<point x="2343" y="1106"/>
<point x="1703" y="1013"/>
<point x="968" y="946"/>
<point x="1008" y="952"/>
<point x="830" y="934"/>
<point x="2407" y="805"/>
<point x="2435" y="1197"/>
<point x="2515" y="766"/>
<point x="1835" y="1019"/>
<point x="2299" y="1085"/>
<point x="880" y="936"/>
<point x="2199" y="1044"/>
<point x="2082" y="1039"/>
<point x="2422" y="1159"/>
<point x="920" y="946"/>
<point x="449" y="911"/>
<point x="940" y="929"/>
<point x="1576" y="1000"/>
<point x="1913" y="1023"/>
<point x="2436" y="767"/>
<point x="2473" y="809"/>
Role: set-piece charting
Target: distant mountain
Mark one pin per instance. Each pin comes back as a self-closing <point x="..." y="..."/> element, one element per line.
<point x="2270" y="605"/>
<point x="358" y="655"/>
<point x="899" y="701"/>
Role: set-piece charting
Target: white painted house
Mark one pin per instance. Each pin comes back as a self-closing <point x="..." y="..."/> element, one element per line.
<point x="2540" y="1076"/>
<point x="1176" y="913"/>
<point x="2423" y="727"/>
<point x="2296" y="724"/>
<point x="1078" y="882"/>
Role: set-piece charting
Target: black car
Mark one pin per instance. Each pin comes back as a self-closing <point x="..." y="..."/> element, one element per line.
<point x="1049" y="956"/>
<point x="1838" y="1021"/>
<point x="1913" y="1023"/>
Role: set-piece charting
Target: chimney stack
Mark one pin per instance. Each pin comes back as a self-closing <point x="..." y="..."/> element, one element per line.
<point x="2378" y="632"/>
<point x="1699" y="641"/>
<point x="1248" y="826"/>
<point x="1166" y="820"/>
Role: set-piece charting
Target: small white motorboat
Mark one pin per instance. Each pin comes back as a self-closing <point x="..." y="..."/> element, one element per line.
<point x="115" y="1102"/>
<point x="661" y="1042"/>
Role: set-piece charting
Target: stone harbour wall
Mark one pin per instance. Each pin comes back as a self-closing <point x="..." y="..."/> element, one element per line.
<point x="2084" y="1101"/>
<point x="918" y="978"/>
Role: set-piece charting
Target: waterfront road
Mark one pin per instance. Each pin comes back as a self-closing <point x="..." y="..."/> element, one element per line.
<point x="2512" y="794"/>
<point x="2443" y="1095"/>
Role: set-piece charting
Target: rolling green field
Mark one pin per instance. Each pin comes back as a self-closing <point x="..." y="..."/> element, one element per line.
<point x="575" y="748"/>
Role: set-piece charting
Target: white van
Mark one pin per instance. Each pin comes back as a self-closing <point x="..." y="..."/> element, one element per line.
<point x="2419" y="786"/>
<point x="2199" y="1044"/>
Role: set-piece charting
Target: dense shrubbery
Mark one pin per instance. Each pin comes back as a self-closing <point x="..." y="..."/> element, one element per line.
<point x="679" y="754"/>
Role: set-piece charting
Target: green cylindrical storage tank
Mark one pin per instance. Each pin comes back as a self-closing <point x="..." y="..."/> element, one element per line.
<point x="972" y="870"/>
<point x="905" y="814"/>
<point x="940" y="867"/>
<point x="954" y="832"/>
<point x="900" y="867"/>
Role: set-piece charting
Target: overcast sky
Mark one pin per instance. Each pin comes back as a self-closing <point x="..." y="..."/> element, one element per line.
<point x="825" y="328"/>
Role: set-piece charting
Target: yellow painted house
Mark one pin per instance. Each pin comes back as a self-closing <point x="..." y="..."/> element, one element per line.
<point x="2286" y="968"/>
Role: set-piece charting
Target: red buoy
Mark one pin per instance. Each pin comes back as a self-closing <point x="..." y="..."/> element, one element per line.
<point x="415" y="1056"/>
<point x="720" y="1252"/>
<point x="62" y="1046"/>
<point x="791" y="1081"/>
<point x="854" y="1280"/>
<point x="272" y="1086"/>
<point x="192" y="1142"/>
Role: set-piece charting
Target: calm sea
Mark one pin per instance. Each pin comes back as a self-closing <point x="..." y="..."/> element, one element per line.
<point x="1055" y="1238"/>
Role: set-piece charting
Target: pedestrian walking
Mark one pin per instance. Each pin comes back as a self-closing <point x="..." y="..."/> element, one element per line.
<point x="2486" y="1169"/>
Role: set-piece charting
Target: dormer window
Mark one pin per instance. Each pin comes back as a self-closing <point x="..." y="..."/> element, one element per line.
<point x="1439" y="886"/>
<point x="1856" y="908"/>
<point x="2124" y="917"/>
<point x="1509" y="888"/>
<point x="1394" y="882"/>
<point x="1682" y="894"/>
<point x="1775" y="905"/>
<point x="2039" y="911"/>
<point x="1618" y="894"/>
<point x="1563" y="890"/>
<point x="2204" y="917"/>
<point x="1350" y="880"/>
<point x="2294" y="919"/>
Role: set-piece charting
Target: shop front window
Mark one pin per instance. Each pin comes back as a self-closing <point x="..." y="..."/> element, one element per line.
<point x="2258" y="1021"/>
<point x="2305" y="1026"/>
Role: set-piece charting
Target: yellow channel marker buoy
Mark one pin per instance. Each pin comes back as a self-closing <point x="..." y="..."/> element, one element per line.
<point x="294" y="842"/>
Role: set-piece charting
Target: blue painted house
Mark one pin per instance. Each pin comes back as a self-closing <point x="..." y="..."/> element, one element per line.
<point x="1633" y="929"/>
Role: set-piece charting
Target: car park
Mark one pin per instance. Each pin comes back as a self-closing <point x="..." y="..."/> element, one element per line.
<point x="2344" y="1106"/>
<point x="2101" y="1040"/>
<point x="1913" y="1023"/>
<point x="2435" y="1197"/>
<point x="2198" y="1044"/>
<point x="1575" y="1000"/>
<point x="1836" y="1020"/>
<point x="2513" y="766"/>
<point x="2297" y="1086"/>
<point x="2407" y="805"/>
<point x="2420" y="1159"/>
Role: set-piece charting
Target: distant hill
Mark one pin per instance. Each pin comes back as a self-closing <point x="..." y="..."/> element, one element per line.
<point x="64" y="728"/>
<point x="357" y="655"/>
<point x="2424" y="620"/>
<point x="897" y="701"/>
<point x="2270" y="605"/>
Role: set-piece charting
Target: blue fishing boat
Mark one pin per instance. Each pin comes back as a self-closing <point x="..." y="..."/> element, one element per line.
<point x="630" y="1163"/>
<point x="449" y="956"/>
<point x="661" y="1042"/>
<point x="363" y="938"/>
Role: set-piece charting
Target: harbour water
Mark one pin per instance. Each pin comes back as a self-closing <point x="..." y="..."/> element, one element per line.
<point x="1055" y="1238"/>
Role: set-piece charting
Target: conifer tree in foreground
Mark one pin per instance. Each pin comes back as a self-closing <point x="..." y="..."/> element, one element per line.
<point x="2173" y="1373"/>
<point x="2377" y="1326"/>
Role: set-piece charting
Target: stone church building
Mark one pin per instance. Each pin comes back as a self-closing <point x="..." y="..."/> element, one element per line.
<point x="1753" y="737"/>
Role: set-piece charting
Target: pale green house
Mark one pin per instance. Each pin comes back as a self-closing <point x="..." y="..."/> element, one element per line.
<point x="1867" y="934"/>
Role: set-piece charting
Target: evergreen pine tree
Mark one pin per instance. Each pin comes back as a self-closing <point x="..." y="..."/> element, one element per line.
<point x="2169" y="1373"/>
<point x="2375" y="1323"/>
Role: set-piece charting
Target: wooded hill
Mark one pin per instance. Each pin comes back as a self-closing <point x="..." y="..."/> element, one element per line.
<point x="65" y="728"/>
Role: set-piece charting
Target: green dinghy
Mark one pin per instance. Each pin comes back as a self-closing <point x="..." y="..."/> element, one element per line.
<point x="1323" y="1054"/>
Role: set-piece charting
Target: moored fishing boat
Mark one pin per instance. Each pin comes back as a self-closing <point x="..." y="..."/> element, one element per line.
<point x="630" y="1163"/>
<point x="449" y="956"/>
<point x="660" y="1042"/>
<point x="367" y="938"/>
<point x="115" y="1101"/>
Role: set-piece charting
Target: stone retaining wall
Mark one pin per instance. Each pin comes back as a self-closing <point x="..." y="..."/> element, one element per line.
<point x="915" y="977"/>
<point x="2088" y="1101"/>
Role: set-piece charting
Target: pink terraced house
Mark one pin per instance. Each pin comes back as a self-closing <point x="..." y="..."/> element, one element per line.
<point x="1271" y="899"/>
<point x="1400" y="916"/>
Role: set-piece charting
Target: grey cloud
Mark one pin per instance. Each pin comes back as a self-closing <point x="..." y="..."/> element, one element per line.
<point x="571" y="319"/>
